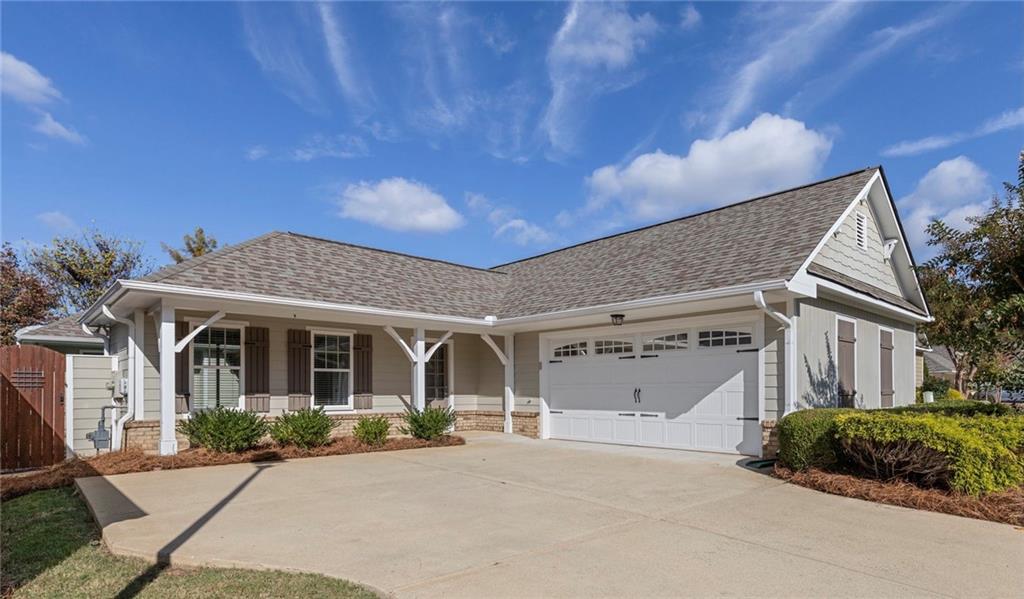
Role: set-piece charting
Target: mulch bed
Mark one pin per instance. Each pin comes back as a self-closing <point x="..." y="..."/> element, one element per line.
<point x="123" y="462"/>
<point x="1006" y="507"/>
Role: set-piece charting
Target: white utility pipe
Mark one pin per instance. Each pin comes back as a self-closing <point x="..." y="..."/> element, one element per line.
<point x="116" y="434"/>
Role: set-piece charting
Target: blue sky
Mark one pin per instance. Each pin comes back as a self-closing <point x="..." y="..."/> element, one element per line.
<point x="482" y="133"/>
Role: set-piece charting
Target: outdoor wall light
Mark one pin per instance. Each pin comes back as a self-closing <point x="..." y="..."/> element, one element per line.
<point x="617" y="319"/>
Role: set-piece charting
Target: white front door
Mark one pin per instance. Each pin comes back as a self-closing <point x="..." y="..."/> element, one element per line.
<point x="687" y="388"/>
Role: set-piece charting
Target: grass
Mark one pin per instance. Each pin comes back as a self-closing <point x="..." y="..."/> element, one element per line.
<point x="50" y="547"/>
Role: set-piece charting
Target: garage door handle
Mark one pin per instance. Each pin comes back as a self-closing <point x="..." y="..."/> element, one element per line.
<point x="747" y="418"/>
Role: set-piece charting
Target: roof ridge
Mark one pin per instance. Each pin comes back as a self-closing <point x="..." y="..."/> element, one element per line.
<point x="689" y="216"/>
<point x="175" y="269"/>
<point x="393" y="252"/>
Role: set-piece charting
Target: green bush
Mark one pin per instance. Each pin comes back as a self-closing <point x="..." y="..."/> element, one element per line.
<point x="372" y="430"/>
<point x="954" y="407"/>
<point x="939" y="387"/>
<point x="429" y="424"/>
<point x="303" y="428"/>
<point x="969" y="455"/>
<point x="807" y="439"/>
<point x="224" y="430"/>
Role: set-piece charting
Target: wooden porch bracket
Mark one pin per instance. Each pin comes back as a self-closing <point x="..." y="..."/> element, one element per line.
<point x="199" y="329"/>
<point x="401" y="343"/>
<point x="440" y="342"/>
<point x="501" y="355"/>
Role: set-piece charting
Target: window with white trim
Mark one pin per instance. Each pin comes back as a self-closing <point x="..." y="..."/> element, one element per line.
<point x="216" y="368"/>
<point x="571" y="350"/>
<point x="332" y="370"/>
<point x="666" y="342"/>
<point x="724" y="337"/>
<point x="612" y="346"/>
<point x="862" y="230"/>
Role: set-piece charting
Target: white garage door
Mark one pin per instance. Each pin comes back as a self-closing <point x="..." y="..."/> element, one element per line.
<point x="686" y="388"/>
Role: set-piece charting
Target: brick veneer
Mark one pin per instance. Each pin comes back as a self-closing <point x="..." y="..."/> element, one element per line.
<point x="769" y="439"/>
<point x="145" y="434"/>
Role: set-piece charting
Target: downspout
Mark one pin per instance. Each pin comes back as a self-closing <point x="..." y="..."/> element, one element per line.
<point x="118" y="427"/>
<point x="790" y="348"/>
<point x="101" y="333"/>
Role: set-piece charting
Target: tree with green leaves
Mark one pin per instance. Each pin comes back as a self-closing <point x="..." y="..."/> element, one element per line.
<point x="80" y="268"/>
<point x="197" y="244"/>
<point x="25" y="299"/>
<point x="975" y="286"/>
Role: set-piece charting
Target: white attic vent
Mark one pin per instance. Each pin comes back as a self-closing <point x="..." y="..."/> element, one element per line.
<point x="862" y="231"/>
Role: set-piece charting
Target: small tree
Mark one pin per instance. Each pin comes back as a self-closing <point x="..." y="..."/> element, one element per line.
<point x="80" y="269"/>
<point x="25" y="299"/>
<point x="197" y="244"/>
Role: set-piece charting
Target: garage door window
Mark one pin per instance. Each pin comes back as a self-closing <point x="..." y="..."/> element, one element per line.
<point x="666" y="342"/>
<point x="724" y="337"/>
<point x="612" y="346"/>
<point x="570" y="350"/>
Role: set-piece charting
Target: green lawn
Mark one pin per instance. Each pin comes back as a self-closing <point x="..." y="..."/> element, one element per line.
<point x="51" y="547"/>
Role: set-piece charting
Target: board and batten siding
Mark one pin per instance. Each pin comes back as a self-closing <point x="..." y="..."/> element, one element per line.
<point x="817" y="370"/>
<point x="841" y="253"/>
<point x="774" y="366"/>
<point x="89" y="384"/>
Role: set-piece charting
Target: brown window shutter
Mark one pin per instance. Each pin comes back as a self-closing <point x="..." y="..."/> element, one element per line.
<point x="362" y="348"/>
<point x="885" y="368"/>
<point x="181" y="374"/>
<point x="299" y="347"/>
<point x="257" y="360"/>
<point x="846" y="357"/>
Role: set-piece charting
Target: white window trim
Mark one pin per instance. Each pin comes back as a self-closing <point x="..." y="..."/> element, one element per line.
<point x="314" y="331"/>
<point x="892" y="360"/>
<point x="739" y="329"/>
<point x="220" y="324"/>
<point x="856" y="369"/>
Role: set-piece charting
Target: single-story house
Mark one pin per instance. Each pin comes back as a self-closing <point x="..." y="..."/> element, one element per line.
<point x="696" y="333"/>
<point x="939" y="364"/>
<point x="65" y="335"/>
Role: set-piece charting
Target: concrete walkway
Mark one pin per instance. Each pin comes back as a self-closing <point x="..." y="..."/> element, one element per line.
<point x="506" y="516"/>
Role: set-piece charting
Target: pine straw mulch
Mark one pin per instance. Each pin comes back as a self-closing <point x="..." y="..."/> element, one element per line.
<point x="1006" y="507"/>
<point x="123" y="462"/>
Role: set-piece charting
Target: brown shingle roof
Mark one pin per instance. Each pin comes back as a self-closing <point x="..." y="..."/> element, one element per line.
<point x="851" y="283"/>
<point x="763" y="239"/>
<point x="63" y="327"/>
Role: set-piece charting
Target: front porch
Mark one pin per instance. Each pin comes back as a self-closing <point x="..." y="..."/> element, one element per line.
<point x="178" y="359"/>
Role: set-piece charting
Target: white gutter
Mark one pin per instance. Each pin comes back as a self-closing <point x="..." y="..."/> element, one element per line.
<point x="118" y="429"/>
<point x="789" y="324"/>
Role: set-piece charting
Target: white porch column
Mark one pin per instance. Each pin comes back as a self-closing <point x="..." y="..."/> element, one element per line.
<point x="419" y="369"/>
<point x="168" y="442"/>
<point x="510" y="380"/>
<point x="138" y="395"/>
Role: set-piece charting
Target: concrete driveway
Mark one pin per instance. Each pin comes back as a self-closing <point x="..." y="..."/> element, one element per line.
<point x="506" y="516"/>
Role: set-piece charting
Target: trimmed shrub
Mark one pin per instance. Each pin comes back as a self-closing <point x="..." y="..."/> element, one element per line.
<point x="807" y="439"/>
<point x="428" y="424"/>
<point x="224" y="430"/>
<point x="954" y="395"/>
<point x="939" y="387"/>
<point x="964" y="454"/>
<point x="372" y="430"/>
<point x="952" y="407"/>
<point x="303" y="428"/>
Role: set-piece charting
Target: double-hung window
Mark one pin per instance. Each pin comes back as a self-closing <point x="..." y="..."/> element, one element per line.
<point x="332" y="370"/>
<point x="217" y="368"/>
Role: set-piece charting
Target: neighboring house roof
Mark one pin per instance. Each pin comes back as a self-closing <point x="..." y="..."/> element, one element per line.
<point x="765" y="239"/>
<point x="938" y="361"/>
<point x="64" y="330"/>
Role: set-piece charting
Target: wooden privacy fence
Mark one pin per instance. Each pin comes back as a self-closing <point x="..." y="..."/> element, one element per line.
<point x="31" y="407"/>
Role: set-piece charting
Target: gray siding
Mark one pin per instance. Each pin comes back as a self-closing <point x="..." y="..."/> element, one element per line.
<point x="869" y="265"/>
<point x="816" y="346"/>
<point x="90" y="376"/>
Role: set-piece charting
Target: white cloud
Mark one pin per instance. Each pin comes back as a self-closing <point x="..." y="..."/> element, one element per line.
<point x="355" y="90"/>
<point x="689" y="18"/>
<point x="594" y="45"/>
<point x="400" y="205"/>
<point x="49" y="127"/>
<point x="1007" y="120"/>
<point x="22" y="82"/>
<point x="769" y="154"/>
<point x="57" y="221"/>
<point x="337" y="146"/>
<point x="784" y="39"/>
<point x="256" y="152"/>
<point x="277" y="51"/>
<point x="507" y="225"/>
<point x="952" y="191"/>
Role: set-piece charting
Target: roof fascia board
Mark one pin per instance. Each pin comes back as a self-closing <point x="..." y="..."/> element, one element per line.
<point x="861" y="196"/>
<point x="647" y="303"/>
<point x="903" y="239"/>
<point x="59" y="339"/>
<point x="837" y="288"/>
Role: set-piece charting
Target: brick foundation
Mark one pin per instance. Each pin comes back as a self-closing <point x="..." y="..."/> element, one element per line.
<point x="145" y="434"/>
<point x="769" y="439"/>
